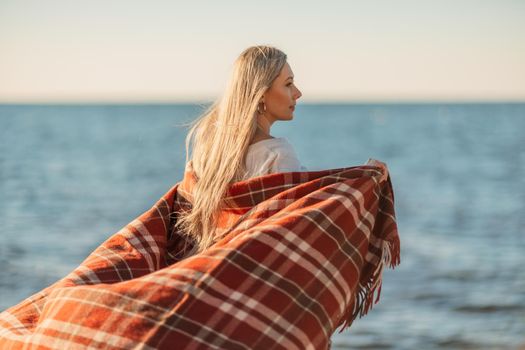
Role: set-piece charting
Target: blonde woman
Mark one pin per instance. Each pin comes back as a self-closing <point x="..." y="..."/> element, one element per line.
<point x="304" y="259"/>
<point x="231" y="141"/>
<point x="301" y="257"/>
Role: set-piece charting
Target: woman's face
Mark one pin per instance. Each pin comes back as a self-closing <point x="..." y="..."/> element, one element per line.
<point x="281" y="97"/>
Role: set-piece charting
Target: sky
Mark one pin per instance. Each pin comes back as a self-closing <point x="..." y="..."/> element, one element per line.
<point x="183" y="51"/>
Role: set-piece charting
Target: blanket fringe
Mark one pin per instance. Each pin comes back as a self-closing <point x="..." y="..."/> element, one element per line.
<point x="363" y="299"/>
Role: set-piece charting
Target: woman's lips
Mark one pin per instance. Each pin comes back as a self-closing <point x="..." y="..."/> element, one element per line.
<point x="292" y="108"/>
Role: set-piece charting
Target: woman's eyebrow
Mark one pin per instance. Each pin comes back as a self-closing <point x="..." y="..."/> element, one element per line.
<point x="290" y="77"/>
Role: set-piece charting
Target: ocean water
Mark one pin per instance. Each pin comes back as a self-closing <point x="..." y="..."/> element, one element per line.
<point x="72" y="175"/>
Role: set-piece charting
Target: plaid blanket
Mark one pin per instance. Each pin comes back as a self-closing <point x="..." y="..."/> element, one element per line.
<point x="302" y="253"/>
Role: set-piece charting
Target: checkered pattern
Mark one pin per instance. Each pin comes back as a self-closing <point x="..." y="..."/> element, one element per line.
<point x="300" y="254"/>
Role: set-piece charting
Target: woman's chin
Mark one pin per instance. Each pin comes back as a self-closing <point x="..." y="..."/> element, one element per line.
<point x="287" y="116"/>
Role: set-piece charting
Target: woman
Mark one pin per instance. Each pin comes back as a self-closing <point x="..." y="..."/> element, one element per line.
<point x="231" y="141"/>
<point x="305" y="255"/>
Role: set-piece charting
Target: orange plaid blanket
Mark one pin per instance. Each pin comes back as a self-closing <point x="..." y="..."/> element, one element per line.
<point x="302" y="254"/>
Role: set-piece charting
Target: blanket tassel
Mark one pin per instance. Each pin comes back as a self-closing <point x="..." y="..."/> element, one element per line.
<point x="363" y="299"/>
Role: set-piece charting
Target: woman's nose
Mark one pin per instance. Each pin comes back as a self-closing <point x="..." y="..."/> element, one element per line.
<point x="298" y="94"/>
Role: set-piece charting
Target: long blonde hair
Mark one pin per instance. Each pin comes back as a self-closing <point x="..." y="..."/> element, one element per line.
<point x="220" y="138"/>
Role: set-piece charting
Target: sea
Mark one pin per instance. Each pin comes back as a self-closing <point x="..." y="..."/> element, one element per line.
<point x="71" y="175"/>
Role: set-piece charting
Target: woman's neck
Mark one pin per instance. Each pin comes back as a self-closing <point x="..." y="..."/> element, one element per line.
<point x="259" y="136"/>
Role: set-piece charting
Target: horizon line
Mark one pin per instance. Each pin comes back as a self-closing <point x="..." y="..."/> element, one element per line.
<point x="306" y="102"/>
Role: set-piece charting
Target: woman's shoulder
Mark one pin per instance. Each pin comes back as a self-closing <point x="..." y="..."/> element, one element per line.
<point x="272" y="155"/>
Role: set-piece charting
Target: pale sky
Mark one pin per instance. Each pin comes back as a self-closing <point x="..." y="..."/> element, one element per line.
<point x="183" y="51"/>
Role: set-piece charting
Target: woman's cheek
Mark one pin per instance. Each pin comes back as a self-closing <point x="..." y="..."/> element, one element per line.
<point x="285" y="96"/>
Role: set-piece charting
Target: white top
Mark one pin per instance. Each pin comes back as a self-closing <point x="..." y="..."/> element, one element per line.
<point x="275" y="155"/>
